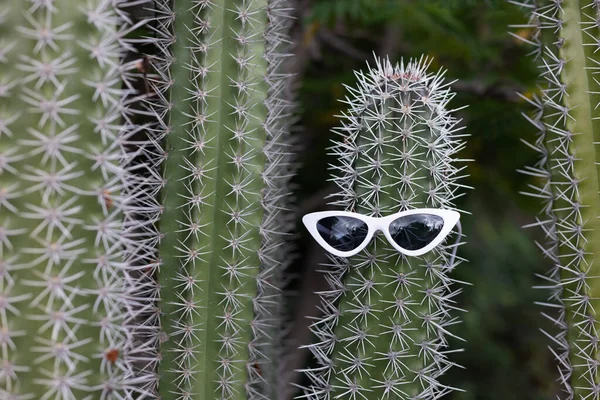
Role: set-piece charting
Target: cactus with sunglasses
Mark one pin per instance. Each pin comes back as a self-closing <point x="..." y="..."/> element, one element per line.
<point x="387" y="316"/>
<point x="111" y="288"/>
<point x="565" y="39"/>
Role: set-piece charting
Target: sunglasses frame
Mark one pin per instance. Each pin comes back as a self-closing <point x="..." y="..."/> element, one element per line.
<point x="450" y="217"/>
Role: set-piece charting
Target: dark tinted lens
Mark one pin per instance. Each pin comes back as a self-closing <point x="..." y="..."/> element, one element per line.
<point x="342" y="233"/>
<point x="413" y="232"/>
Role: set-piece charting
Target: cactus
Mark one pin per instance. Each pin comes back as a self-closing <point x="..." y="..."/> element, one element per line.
<point x="222" y="108"/>
<point x="387" y="317"/>
<point x="64" y="175"/>
<point x="564" y="37"/>
<point x="143" y="261"/>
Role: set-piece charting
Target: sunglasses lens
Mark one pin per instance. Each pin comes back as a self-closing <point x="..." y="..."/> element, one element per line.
<point x="342" y="233"/>
<point x="413" y="232"/>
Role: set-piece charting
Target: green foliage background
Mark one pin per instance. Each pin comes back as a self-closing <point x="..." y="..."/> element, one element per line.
<point x="505" y="355"/>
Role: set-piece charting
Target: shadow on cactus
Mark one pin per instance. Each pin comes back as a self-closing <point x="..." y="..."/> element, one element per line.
<point x="387" y="316"/>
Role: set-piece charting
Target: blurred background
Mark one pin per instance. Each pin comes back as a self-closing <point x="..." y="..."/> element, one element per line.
<point x="505" y="354"/>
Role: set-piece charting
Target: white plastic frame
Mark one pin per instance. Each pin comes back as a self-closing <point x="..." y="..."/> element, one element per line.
<point x="451" y="218"/>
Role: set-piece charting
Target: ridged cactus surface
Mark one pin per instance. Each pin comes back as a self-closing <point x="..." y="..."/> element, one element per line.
<point x="220" y="98"/>
<point x="387" y="317"/>
<point x="565" y="38"/>
<point x="143" y="261"/>
<point x="63" y="244"/>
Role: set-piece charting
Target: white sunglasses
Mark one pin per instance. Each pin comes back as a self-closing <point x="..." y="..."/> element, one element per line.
<point x="412" y="232"/>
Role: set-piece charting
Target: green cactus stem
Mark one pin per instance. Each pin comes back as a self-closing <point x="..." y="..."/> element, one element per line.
<point x="222" y="103"/>
<point x="64" y="247"/>
<point x="565" y="41"/>
<point x="387" y="317"/>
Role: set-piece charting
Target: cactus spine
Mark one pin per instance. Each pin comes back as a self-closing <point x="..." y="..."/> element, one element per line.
<point x="64" y="247"/>
<point x="385" y="328"/>
<point x="565" y="39"/>
<point x="223" y="114"/>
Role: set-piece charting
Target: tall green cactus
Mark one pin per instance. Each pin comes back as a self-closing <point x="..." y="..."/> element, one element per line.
<point x="136" y="266"/>
<point x="64" y="249"/>
<point x="387" y="317"/>
<point x="223" y="111"/>
<point x="565" y="37"/>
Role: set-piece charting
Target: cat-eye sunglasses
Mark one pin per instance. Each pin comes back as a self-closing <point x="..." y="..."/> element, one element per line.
<point x="411" y="232"/>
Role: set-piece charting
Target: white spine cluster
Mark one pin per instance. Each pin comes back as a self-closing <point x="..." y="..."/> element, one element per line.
<point x="65" y="185"/>
<point x="386" y="318"/>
